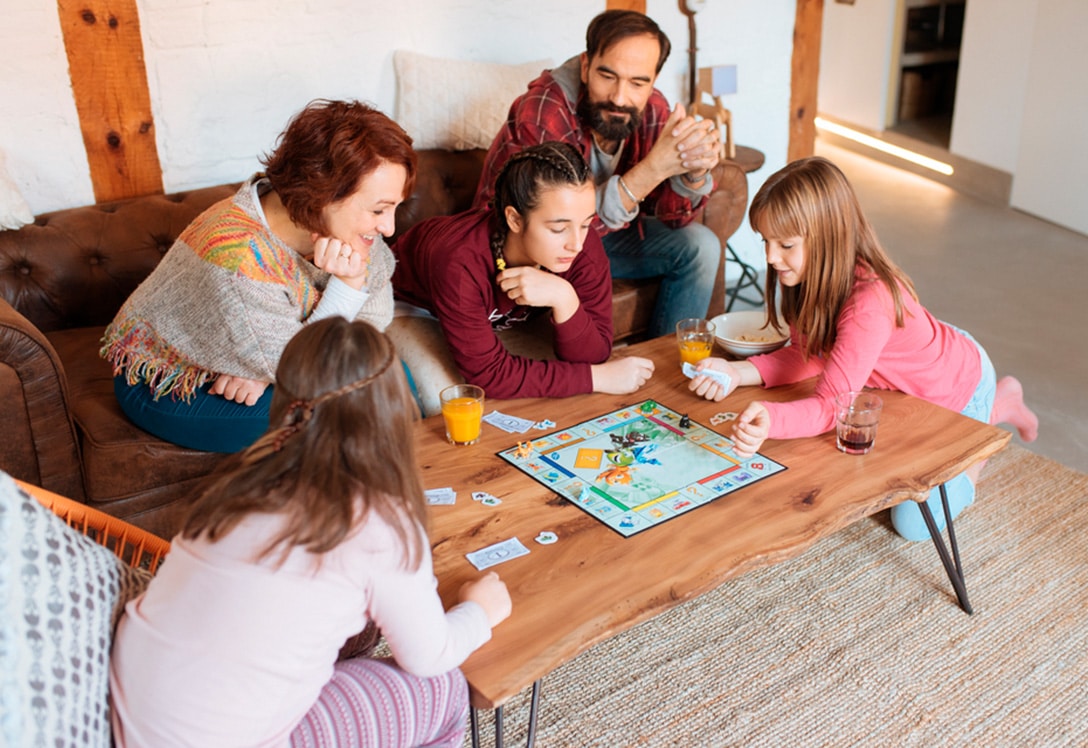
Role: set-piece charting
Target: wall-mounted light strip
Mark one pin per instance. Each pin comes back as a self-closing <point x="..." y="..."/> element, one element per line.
<point x="880" y="145"/>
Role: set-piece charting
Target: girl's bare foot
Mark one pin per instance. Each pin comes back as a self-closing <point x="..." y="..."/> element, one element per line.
<point x="1009" y="408"/>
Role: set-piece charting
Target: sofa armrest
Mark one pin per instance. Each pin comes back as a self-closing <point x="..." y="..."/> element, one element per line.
<point x="40" y="443"/>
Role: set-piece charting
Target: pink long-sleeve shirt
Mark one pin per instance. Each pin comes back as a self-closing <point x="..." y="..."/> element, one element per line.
<point x="223" y="650"/>
<point x="925" y="358"/>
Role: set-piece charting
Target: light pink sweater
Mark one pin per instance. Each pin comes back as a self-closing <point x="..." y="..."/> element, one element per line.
<point x="925" y="358"/>
<point x="224" y="651"/>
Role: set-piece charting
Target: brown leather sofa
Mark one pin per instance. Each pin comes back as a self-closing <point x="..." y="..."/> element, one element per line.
<point x="63" y="278"/>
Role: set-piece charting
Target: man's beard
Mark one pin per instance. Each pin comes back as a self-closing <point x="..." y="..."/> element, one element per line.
<point x="608" y="127"/>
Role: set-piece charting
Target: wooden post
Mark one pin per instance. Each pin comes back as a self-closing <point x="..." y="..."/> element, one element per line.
<point x="109" y="82"/>
<point x="639" y="5"/>
<point x="804" y="76"/>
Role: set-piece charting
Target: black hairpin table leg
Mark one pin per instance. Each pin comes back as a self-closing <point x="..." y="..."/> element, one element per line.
<point x="534" y="705"/>
<point x="952" y="564"/>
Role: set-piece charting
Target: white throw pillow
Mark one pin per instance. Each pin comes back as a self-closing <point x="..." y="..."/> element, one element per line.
<point x="61" y="594"/>
<point x="14" y="212"/>
<point x="457" y="104"/>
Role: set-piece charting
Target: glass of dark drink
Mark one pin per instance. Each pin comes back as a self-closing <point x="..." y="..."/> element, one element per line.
<point x="856" y="417"/>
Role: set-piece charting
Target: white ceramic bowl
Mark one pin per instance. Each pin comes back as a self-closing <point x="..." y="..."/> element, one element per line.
<point x="744" y="334"/>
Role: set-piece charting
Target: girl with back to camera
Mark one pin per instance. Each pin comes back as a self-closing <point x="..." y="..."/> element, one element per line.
<point x="532" y="252"/>
<point x="295" y="545"/>
<point x="854" y="321"/>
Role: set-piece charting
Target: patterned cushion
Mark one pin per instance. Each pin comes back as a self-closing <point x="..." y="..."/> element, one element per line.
<point x="61" y="595"/>
<point x="457" y="104"/>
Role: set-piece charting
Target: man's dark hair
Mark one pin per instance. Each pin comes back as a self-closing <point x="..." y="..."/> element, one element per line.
<point x="616" y="25"/>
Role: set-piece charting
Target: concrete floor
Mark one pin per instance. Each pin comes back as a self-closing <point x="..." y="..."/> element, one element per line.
<point x="1012" y="280"/>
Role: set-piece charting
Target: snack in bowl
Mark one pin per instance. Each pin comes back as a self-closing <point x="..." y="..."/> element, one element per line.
<point x="747" y="333"/>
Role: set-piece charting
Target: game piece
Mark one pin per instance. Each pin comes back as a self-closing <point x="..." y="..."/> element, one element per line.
<point x="496" y="554"/>
<point x="685" y="422"/>
<point x="648" y="406"/>
<point x="546" y="538"/>
<point x="524" y="450"/>
<point x="440" y="496"/>
<point x="718" y="376"/>
<point x="633" y="469"/>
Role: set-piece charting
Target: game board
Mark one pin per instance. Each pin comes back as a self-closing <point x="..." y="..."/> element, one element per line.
<point x="637" y="467"/>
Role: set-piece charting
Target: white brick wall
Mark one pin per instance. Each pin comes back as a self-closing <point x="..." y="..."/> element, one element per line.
<point x="226" y="75"/>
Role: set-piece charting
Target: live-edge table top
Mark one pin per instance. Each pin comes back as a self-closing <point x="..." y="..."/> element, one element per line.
<point x="594" y="583"/>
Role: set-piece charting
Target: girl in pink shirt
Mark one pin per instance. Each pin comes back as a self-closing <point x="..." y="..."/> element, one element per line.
<point x="854" y="321"/>
<point x="310" y="536"/>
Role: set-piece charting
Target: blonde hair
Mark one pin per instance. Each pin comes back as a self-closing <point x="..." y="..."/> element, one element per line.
<point x="341" y="445"/>
<point x="812" y="198"/>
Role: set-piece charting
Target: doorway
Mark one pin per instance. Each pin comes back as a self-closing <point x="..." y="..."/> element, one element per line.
<point x="927" y="69"/>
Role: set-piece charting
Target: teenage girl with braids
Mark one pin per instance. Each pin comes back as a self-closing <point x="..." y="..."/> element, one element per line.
<point x="855" y="321"/>
<point x="531" y="252"/>
<point x="296" y="544"/>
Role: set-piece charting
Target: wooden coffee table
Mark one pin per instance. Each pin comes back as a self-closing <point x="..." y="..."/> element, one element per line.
<point x="593" y="583"/>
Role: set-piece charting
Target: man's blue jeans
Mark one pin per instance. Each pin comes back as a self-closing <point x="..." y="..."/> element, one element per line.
<point x="685" y="259"/>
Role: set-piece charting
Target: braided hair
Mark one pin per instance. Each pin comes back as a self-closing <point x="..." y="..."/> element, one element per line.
<point x="549" y="164"/>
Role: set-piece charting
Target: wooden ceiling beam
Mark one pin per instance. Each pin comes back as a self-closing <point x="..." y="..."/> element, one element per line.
<point x="109" y="83"/>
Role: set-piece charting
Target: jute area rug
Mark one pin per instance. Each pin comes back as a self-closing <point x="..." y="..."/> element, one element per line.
<point x="859" y="641"/>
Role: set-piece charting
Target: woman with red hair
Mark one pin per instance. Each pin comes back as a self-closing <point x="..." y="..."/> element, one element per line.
<point x="195" y="348"/>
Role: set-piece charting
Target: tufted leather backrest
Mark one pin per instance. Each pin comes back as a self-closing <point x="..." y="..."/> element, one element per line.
<point x="75" y="267"/>
<point x="445" y="184"/>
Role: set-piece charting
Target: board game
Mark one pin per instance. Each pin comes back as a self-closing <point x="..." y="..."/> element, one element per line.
<point x="639" y="466"/>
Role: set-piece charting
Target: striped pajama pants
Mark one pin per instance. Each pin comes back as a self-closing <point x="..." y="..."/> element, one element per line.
<point x="372" y="702"/>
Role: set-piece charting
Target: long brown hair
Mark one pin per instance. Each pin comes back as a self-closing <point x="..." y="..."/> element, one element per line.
<point x="812" y="198"/>
<point x="340" y="446"/>
<point x="325" y="153"/>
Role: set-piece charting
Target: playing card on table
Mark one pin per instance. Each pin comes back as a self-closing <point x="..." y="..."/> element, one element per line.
<point x="508" y="423"/>
<point x="496" y="554"/>
<point x="440" y="496"/>
<point x="718" y="376"/>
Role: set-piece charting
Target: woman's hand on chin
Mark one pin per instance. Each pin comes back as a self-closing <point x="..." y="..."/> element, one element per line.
<point x="342" y="260"/>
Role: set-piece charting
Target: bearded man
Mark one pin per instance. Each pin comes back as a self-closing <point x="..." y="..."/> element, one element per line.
<point x="651" y="165"/>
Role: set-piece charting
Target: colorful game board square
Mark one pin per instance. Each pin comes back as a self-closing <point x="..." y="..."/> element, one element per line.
<point x="588" y="458"/>
<point x="565" y="436"/>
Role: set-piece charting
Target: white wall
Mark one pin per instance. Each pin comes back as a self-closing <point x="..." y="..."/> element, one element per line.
<point x="226" y="75"/>
<point x="855" y="52"/>
<point x="992" y="81"/>
<point x="1052" y="168"/>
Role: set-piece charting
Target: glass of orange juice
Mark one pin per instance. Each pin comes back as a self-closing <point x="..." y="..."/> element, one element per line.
<point x="695" y="338"/>
<point x="462" y="410"/>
